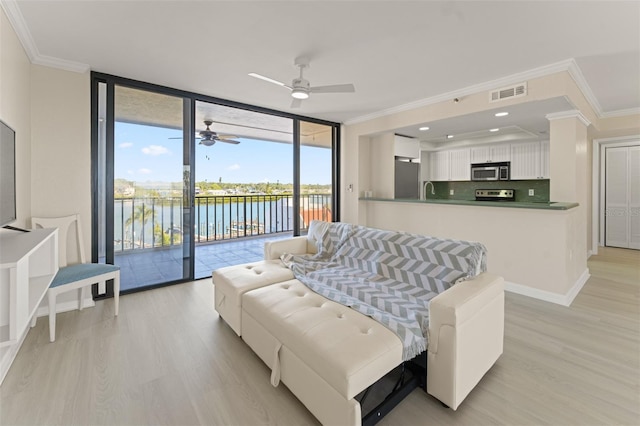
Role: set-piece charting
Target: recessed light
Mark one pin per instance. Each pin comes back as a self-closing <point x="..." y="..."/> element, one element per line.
<point x="493" y="130"/>
<point x="422" y="129"/>
<point x="449" y="136"/>
<point x="501" y="114"/>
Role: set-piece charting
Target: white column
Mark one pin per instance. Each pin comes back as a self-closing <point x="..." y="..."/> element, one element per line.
<point x="568" y="156"/>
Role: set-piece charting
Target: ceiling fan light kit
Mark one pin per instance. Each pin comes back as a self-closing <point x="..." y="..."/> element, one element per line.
<point x="208" y="137"/>
<point x="299" y="93"/>
<point x="301" y="88"/>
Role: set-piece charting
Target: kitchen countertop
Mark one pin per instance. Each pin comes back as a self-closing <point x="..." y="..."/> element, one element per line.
<point x="550" y="205"/>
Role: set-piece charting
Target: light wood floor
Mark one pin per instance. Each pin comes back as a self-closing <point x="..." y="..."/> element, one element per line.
<point x="168" y="359"/>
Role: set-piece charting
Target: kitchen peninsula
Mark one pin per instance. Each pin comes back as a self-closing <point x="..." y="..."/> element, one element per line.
<point x="542" y="205"/>
<point x="536" y="246"/>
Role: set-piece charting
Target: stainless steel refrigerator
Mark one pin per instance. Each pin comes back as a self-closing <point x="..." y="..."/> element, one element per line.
<point x="407" y="183"/>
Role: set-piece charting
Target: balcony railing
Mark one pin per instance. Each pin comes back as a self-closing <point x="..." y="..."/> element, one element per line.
<point x="144" y="223"/>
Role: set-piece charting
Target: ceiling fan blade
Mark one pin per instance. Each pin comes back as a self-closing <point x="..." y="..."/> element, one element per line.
<point x="295" y="103"/>
<point x="225" y="136"/>
<point x="229" y="141"/>
<point x="335" y="88"/>
<point x="269" y="80"/>
<point x="197" y="137"/>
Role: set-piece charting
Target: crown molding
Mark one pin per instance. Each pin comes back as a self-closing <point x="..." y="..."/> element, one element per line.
<point x="578" y="77"/>
<point x="568" y="65"/>
<point x="63" y="64"/>
<point x="470" y="90"/>
<point x="573" y="113"/>
<point x="621" y="113"/>
<point x="19" y="25"/>
<point x="16" y="19"/>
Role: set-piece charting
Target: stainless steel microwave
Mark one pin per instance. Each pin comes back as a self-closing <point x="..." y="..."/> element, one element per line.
<point x="491" y="171"/>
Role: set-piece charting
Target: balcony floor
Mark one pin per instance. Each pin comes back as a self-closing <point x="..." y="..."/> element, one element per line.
<point x="143" y="268"/>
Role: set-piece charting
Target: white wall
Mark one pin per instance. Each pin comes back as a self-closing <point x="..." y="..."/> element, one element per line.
<point x="61" y="145"/>
<point x="15" y="110"/>
<point x="381" y="154"/>
<point x="50" y="111"/>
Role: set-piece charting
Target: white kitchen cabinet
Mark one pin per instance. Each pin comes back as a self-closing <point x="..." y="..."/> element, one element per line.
<point x="460" y="164"/>
<point x="501" y="152"/>
<point x="439" y="166"/>
<point x="449" y="165"/>
<point x="480" y="154"/>
<point x="544" y="159"/>
<point x="530" y="160"/>
<point x="491" y="153"/>
<point x="425" y="166"/>
<point x="406" y="147"/>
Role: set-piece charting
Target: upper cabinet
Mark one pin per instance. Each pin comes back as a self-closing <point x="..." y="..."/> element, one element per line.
<point x="446" y="165"/>
<point x="491" y="153"/>
<point x="406" y="147"/>
<point x="439" y="165"/>
<point x="530" y="160"/>
<point x="544" y="159"/>
<point x="460" y="164"/>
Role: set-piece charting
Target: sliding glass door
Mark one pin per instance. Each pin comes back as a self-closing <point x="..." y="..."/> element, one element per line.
<point x="185" y="183"/>
<point x="316" y="173"/>
<point x="147" y="187"/>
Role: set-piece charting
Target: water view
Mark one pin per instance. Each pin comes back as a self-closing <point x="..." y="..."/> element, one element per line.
<point x="151" y="222"/>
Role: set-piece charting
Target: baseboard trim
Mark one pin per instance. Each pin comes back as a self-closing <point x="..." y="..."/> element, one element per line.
<point x="71" y="305"/>
<point x="548" y="296"/>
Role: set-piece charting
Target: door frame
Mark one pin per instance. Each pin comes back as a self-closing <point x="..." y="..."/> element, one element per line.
<point x="189" y="124"/>
<point x="598" y="185"/>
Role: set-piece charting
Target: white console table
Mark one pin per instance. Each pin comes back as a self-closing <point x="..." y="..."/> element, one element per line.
<point x="28" y="263"/>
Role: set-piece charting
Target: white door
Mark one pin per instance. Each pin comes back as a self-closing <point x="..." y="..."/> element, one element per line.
<point x="634" y="197"/>
<point x="622" y="197"/>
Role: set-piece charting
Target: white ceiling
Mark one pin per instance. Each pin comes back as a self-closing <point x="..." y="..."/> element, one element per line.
<point x="394" y="52"/>
<point x="526" y="121"/>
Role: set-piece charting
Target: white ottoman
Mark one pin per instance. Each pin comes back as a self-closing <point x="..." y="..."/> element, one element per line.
<point x="233" y="281"/>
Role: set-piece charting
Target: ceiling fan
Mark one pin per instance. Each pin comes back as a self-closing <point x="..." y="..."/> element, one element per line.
<point x="301" y="88"/>
<point x="208" y="137"/>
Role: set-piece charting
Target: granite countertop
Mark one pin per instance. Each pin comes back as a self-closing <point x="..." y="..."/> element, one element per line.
<point x="548" y="205"/>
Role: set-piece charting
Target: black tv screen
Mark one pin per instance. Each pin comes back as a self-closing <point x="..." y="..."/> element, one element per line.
<point x="7" y="174"/>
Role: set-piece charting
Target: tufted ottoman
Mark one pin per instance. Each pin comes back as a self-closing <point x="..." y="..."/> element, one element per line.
<point x="325" y="353"/>
<point x="233" y="281"/>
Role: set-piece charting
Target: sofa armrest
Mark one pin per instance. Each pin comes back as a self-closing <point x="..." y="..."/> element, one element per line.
<point x="466" y="334"/>
<point x="274" y="249"/>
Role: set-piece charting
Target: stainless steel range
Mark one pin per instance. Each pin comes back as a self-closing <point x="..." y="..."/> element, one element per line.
<point x="495" y="194"/>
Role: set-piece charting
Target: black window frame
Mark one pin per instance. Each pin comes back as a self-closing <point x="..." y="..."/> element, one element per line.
<point x="189" y="123"/>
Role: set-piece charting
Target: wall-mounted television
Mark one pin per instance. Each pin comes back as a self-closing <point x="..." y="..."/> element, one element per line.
<point x="7" y="174"/>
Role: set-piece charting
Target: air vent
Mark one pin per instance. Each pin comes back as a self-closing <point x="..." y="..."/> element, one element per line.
<point x="519" y="89"/>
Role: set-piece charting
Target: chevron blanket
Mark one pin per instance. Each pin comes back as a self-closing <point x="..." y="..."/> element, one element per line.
<point x="388" y="276"/>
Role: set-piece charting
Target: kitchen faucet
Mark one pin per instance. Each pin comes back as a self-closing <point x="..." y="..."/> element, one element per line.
<point x="424" y="189"/>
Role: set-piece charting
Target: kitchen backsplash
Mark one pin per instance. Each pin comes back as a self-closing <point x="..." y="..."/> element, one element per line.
<point x="465" y="190"/>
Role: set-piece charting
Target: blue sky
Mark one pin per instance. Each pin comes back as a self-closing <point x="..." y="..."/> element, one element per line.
<point x="145" y="153"/>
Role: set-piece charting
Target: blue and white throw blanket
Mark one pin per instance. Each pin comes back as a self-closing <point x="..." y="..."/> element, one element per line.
<point x="389" y="276"/>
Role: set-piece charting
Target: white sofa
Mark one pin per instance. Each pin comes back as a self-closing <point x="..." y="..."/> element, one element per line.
<point x="326" y="353"/>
